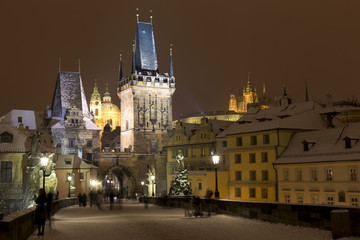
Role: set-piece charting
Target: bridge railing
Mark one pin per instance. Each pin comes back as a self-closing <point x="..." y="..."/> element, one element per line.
<point x="328" y="217"/>
<point x="20" y="225"/>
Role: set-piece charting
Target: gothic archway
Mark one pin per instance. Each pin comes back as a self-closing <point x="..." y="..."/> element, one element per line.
<point x="122" y="180"/>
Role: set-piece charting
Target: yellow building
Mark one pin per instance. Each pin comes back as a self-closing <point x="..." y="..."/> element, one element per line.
<point x="104" y="112"/>
<point x="321" y="167"/>
<point x="255" y="142"/>
<point x="82" y="175"/>
<point x="197" y="143"/>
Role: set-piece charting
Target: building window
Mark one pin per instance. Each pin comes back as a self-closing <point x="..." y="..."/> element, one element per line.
<point x="253" y="140"/>
<point x="354" y="200"/>
<point x="200" y="186"/>
<point x="185" y="152"/>
<point x="300" y="197"/>
<point x="19" y="119"/>
<point x="71" y="143"/>
<point x="298" y="173"/>
<point x="330" y="199"/>
<point x="347" y="142"/>
<point x="192" y="152"/>
<point x="89" y="156"/>
<point x="238" y="141"/>
<point x="238" y="175"/>
<point x="266" y="139"/>
<point x="314" y="198"/>
<point x="287" y="197"/>
<point x="89" y="143"/>
<point x="313" y="175"/>
<point x="252" y="175"/>
<point x="353" y="174"/>
<point x="305" y="146"/>
<point x="286" y="174"/>
<point x="6" y="137"/>
<point x="252" y="193"/>
<point x="237" y="158"/>
<point x="153" y="147"/>
<point x="329" y="174"/>
<point x="202" y="151"/>
<point x="6" y="171"/>
<point x="96" y="111"/>
<point x="264" y="175"/>
<point x="252" y="158"/>
<point x="341" y="196"/>
<point x="81" y="177"/>
<point x="264" y="193"/>
<point x="237" y="192"/>
<point x="264" y="157"/>
<point x="224" y="144"/>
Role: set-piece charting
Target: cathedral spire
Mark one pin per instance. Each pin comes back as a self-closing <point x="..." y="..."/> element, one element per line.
<point x="79" y="65"/>
<point x="137" y="15"/>
<point x="133" y="60"/>
<point x="59" y="64"/>
<point x="120" y="68"/>
<point x="307" y="99"/>
<point x="151" y="16"/>
<point x="284" y="94"/>
<point x="171" y="70"/>
<point x="264" y="90"/>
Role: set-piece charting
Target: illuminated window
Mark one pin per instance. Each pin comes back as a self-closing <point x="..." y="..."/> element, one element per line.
<point x="264" y="157"/>
<point x="341" y="196"/>
<point x="81" y="177"/>
<point x="253" y="140"/>
<point x="252" y="158"/>
<point x="237" y="158"/>
<point x="252" y="175"/>
<point x="6" y="171"/>
<point x="238" y="175"/>
<point x="329" y="174"/>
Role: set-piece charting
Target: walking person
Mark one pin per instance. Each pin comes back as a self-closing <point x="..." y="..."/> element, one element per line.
<point x="99" y="199"/>
<point x="111" y="196"/>
<point x="208" y="196"/>
<point x="187" y="206"/>
<point x="48" y="206"/>
<point x="40" y="211"/>
<point x="84" y="200"/>
<point x="80" y="199"/>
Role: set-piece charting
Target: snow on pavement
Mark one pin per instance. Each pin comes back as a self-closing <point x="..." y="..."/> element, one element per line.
<point x="156" y="223"/>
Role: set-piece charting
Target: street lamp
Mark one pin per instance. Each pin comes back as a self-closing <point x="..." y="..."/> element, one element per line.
<point x="69" y="180"/>
<point x="44" y="162"/>
<point x="216" y="159"/>
<point x="152" y="178"/>
<point x="142" y="187"/>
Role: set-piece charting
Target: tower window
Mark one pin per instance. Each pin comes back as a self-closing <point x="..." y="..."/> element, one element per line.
<point x="19" y="119"/>
<point x="6" y="171"/>
<point x="253" y="140"/>
<point x="96" y="112"/>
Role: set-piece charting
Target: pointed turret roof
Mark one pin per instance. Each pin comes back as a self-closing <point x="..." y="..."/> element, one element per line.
<point x="120" y="68"/>
<point x="171" y="70"/>
<point x="95" y="96"/>
<point x="107" y="97"/>
<point x="306" y="93"/>
<point x="145" y="51"/>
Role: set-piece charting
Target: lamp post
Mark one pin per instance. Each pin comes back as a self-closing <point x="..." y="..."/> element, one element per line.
<point x="44" y="162"/>
<point x="216" y="159"/>
<point x="152" y="178"/>
<point x="69" y="180"/>
<point x="142" y="187"/>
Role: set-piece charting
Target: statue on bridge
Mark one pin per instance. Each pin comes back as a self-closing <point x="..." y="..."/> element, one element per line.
<point x="180" y="185"/>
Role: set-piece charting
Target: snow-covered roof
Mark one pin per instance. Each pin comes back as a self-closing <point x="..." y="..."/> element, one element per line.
<point x="327" y="145"/>
<point x="71" y="161"/>
<point x="300" y="116"/>
<point x="20" y="141"/>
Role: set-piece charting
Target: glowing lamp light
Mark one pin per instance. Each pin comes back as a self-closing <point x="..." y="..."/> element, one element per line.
<point x="216" y="159"/>
<point x="69" y="178"/>
<point x="152" y="177"/>
<point x="44" y="161"/>
<point x="142" y="183"/>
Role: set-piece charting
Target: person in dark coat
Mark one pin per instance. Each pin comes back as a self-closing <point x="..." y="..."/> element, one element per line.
<point x="40" y="211"/>
<point x="112" y="196"/>
<point x="48" y="206"/>
<point x="80" y="199"/>
<point x="92" y="198"/>
<point x="84" y="200"/>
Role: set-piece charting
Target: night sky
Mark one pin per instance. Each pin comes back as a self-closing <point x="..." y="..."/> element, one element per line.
<point x="216" y="44"/>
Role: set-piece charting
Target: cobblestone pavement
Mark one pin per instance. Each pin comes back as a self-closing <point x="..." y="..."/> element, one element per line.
<point x="134" y="222"/>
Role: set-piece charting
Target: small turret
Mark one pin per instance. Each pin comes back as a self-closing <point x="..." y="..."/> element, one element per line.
<point x="171" y="69"/>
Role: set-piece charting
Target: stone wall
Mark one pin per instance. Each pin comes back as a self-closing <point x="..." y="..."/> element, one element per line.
<point x="307" y="215"/>
<point x="20" y="225"/>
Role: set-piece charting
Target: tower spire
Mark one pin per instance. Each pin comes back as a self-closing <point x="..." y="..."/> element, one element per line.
<point x="59" y="64"/>
<point x="306" y="93"/>
<point x="264" y="90"/>
<point x="151" y="16"/>
<point x="120" y="68"/>
<point x="79" y="65"/>
<point x="284" y="94"/>
<point x="171" y="70"/>
<point x="133" y="60"/>
<point x="137" y="15"/>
